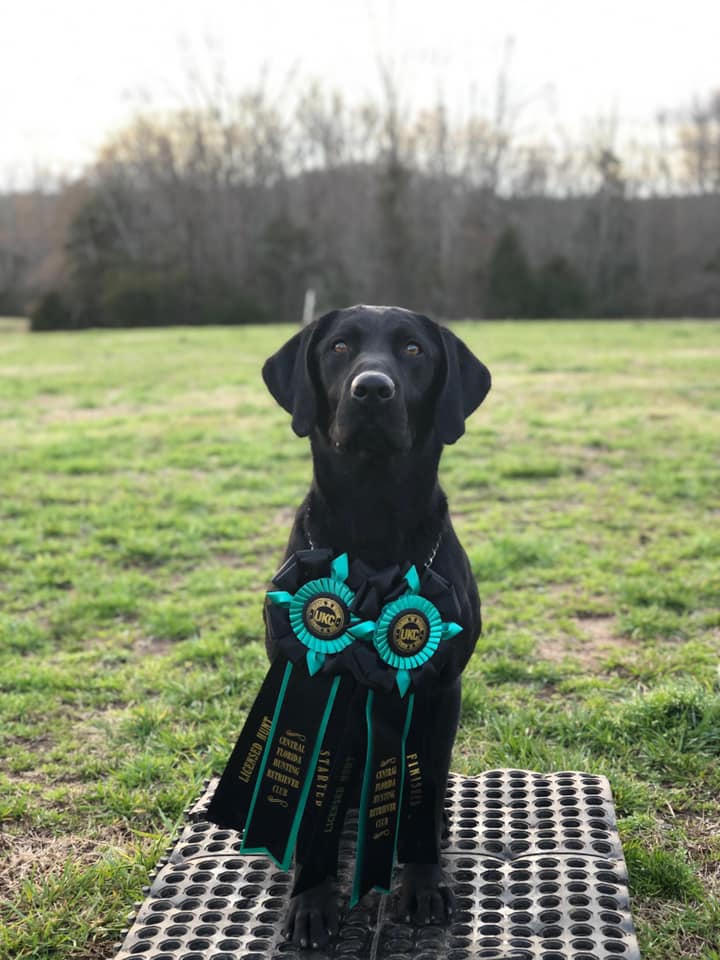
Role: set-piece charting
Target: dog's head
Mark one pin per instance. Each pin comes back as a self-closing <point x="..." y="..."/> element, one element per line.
<point x="376" y="380"/>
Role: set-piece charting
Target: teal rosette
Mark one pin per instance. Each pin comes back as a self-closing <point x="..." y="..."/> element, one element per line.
<point x="409" y="631"/>
<point x="319" y="614"/>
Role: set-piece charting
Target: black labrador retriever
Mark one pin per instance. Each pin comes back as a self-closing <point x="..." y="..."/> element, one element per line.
<point x="379" y="391"/>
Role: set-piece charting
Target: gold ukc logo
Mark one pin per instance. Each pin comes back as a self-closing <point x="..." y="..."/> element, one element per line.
<point x="325" y="617"/>
<point x="408" y="633"/>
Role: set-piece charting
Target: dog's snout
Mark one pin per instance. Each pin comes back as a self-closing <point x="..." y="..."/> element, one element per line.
<point x="372" y="386"/>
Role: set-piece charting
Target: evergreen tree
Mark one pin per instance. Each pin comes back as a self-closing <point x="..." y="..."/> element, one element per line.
<point x="511" y="287"/>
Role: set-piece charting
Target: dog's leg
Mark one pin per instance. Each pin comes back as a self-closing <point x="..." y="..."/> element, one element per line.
<point x="424" y="895"/>
<point x="312" y="917"/>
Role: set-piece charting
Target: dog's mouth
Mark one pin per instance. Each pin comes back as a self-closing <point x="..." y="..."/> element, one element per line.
<point x="369" y="437"/>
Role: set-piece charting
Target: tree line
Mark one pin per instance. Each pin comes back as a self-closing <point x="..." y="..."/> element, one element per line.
<point x="226" y="211"/>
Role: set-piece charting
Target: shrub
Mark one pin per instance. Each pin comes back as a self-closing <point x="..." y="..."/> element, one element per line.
<point x="51" y="313"/>
<point x="559" y="290"/>
<point x="138" y="298"/>
<point x="219" y="305"/>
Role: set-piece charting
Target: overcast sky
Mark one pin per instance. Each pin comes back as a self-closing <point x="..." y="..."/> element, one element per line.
<point x="72" y="70"/>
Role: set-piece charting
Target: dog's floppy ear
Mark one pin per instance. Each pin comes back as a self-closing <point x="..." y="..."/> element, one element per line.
<point x="466" y="384"/>
<point x="288" y="378"/>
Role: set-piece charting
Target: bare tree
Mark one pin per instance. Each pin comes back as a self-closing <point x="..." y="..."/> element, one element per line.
<point x="227" y="208"/>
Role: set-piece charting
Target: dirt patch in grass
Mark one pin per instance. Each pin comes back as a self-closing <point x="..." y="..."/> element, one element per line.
<point x="152" y="646"/>
<point x="38" y="857"/>
<point x="653" y="915"/>
<point x="285" y="517"/>
<point x="599" y="639"/>
<point x="63" y="409"/>
<point x="599" y="630"/>
<point x="36" y="742"/>
<point x="703" y="833"/>
<point x="228" y="559"/>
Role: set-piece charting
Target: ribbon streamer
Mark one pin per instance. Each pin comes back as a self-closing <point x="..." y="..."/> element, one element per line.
<point x="408" y="634"/>
<point x="422" y="800"/>
<point x="388" y="720"/>
<point x="287" y="766"/>
<point x="233" y="795"/>
<point x="321" y="828"/>
<point x="265" y="786"/>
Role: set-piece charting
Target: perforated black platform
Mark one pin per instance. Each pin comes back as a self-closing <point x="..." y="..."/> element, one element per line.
<point x="534" y="859"/>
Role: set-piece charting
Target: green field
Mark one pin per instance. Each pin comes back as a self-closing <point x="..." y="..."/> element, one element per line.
<point x="147" y="485"/>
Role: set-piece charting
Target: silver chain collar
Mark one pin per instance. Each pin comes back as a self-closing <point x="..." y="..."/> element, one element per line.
<point x="312" y="546"/>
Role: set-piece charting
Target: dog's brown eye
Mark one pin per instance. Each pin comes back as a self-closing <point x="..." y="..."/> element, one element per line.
<point x="340" y="346"/>
<point x="414" y="349"/>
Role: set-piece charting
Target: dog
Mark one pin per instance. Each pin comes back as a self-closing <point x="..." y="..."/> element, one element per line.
<point x="379" y="391"/>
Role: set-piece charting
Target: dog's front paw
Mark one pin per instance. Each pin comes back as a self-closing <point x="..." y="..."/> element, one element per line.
<point x="312" y="917"/>
<point x="424" y="895"/>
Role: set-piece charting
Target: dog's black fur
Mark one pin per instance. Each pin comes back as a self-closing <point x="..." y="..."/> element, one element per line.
<point x="379" y="391"/>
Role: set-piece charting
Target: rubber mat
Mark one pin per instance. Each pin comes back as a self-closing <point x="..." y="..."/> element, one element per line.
<point x="534" y="860"/>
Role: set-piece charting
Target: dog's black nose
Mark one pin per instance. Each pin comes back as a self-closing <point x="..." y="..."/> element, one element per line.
<point x="372" y="386"/>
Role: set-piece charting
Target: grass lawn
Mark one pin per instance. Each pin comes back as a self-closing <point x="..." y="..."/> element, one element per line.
<point x="147" y="485"/>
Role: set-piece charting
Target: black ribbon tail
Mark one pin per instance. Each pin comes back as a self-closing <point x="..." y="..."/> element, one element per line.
<point x="319" y="839"/>
<point x="388" y="718"/>
<point x="418" y="834"/>
<point x="288" y="764"/>
<point x="231" y="801"/>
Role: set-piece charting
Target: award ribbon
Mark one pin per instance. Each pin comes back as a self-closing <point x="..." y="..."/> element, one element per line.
<point x="265" y="786"/>
<point x="408" y="633"/>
